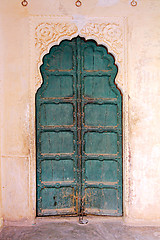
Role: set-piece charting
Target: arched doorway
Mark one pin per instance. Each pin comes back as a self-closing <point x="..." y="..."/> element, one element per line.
<point x="79" y="132"/>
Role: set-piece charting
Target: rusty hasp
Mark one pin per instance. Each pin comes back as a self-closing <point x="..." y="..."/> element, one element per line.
<point x="81" y="213"/>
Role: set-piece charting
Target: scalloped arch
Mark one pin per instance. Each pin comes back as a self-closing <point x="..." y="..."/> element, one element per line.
<point x="69" y="38"/>
<point x="48" y="35"/>
<point x="101" y="48"/>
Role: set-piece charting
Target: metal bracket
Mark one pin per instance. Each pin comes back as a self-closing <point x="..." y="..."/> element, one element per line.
<point x="24" y="3"/>
<point x="134" y="3"/>
<point x="78" y="3"/>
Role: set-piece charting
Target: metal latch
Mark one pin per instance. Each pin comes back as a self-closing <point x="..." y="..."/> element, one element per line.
<point x="81" y="214"/>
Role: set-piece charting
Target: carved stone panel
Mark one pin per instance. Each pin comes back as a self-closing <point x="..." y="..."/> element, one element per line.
<point x="111" y="35"/>
<point x="50" y="31"/>
<point x="47" y="34"/>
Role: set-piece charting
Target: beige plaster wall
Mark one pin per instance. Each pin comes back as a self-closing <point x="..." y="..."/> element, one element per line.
<point x="143" y="94"/>
<point x="1" y="77"/>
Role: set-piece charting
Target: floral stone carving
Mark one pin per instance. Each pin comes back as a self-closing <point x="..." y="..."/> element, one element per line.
<point x="111" y="34"/>
<point x="47" y="34"/>
<point x="108" y="33"/>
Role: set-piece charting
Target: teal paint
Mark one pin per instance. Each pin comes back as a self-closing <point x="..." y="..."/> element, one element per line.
<point x="79" y="132"/>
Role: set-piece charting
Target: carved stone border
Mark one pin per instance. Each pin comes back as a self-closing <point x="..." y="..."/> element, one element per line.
<point x="48" y="31"/>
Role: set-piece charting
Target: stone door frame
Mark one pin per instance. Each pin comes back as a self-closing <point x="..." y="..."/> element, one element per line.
<point x="46" y="32"/>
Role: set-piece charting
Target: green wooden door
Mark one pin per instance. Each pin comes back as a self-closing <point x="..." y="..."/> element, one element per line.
<point x="79" y="132"/>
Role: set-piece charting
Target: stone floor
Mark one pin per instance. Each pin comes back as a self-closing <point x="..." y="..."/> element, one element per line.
<point x="69" y="228"/>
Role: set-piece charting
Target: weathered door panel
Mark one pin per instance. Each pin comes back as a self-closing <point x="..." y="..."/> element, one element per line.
<point x="100" y="115"/>
<point x="57" y="183"/>
<point x="101" y="133"/>
<point x="79" y="132"/>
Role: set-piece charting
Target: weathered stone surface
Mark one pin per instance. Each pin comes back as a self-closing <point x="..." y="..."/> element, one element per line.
<point x="69" y="229"/>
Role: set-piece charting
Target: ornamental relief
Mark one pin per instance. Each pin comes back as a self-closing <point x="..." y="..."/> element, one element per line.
<point x="110" y="34"/>
<point x="47" y="34"/>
